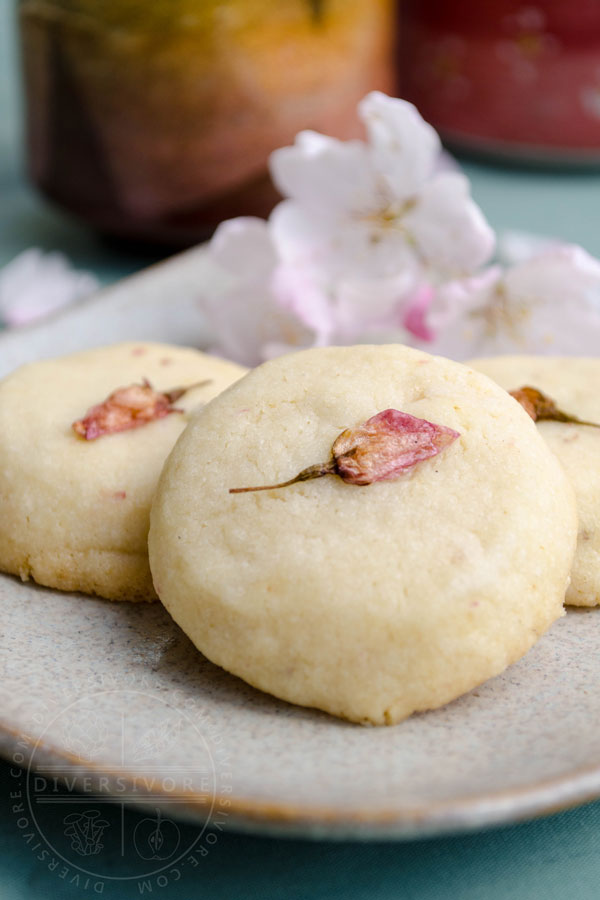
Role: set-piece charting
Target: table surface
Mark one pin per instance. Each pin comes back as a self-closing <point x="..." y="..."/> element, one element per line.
<point x="555" y="857"/>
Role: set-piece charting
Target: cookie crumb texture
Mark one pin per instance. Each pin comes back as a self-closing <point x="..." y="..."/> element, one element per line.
<point x="574" y="385"/>
<point x="74" y="514"/>
<point x="368" y="602"/>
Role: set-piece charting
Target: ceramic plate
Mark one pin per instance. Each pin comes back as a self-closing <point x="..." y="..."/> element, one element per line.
<point x="114" y="700"/>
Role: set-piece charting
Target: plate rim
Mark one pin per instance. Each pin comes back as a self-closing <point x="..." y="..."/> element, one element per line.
<point x="436" y="819"/>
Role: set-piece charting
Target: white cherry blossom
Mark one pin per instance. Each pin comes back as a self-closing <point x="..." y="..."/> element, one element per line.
<point x="273" y="306"/>
<point x="364" y="223"/>
<point x="269" y="308"/>
<point x="374" y="239"/>
<point x="549" y="304"/>
<point x="35" y="284"/>
<point x="379" y="208"/>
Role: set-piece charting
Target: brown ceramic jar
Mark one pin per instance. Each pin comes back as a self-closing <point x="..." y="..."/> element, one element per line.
<point x="154" y="121"/>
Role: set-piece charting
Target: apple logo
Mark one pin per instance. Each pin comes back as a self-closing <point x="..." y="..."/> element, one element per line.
<point x="156" y="838"/>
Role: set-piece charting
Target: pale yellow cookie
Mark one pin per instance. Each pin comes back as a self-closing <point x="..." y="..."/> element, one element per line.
<point x="574" y="385"/>
<point x="74" y="514"/>
<point x="368" y="602"/>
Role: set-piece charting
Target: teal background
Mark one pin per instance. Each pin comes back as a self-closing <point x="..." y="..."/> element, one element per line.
<point x="553" y="858"/>
<point x="557" y="857"/>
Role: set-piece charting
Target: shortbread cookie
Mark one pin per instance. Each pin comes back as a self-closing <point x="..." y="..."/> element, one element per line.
<point x="574" y="385"/>
<point x="369" y="601"/>
<point x="74" y="513"/>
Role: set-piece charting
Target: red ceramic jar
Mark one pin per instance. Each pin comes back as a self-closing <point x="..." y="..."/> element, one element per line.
<point x="508" y="77"/>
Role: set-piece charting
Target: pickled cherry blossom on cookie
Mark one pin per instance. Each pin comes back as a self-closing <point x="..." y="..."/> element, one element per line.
<point x="387" y="445"/>
<point x="542" y="408"/>
<point x="381" y="449"/>
<point x="127" y="408"/>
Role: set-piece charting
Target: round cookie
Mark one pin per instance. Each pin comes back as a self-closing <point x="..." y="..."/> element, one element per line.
<point x="74" y="513"/>
<point x="573" y="383"/>
<point x="369" y="602"/>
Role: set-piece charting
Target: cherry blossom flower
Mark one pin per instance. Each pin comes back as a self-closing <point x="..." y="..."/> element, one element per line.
<point x="375" y="240"/>
<point x="364" y="225"/>
<point x="268" y="308"/>
<point x="272" y="307"/>
<point x="549" y="304"/>
<point x="35" y="284"/>
<point x="378" y="208"/>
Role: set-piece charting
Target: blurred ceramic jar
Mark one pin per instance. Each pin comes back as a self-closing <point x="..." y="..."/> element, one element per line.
<point x="510" y="78"/>
<point x="154" y="120"/>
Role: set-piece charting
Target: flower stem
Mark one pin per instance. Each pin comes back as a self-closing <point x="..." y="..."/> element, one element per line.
<point x="559" y="416"/>
<point x="311" y="472"/>
<point x="542" y="408"/>
<point x="174" y="394"/>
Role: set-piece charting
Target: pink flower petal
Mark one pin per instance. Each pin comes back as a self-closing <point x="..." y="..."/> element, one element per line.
<point x="325" y="174"/>
<point x="244" y="247"/>
<point x="297" y="293"/>
<point x="387" y="445"/>
<point x="448" y="226"/>
<point x="404" y="146"/>
<point x="126" y="408"/>
<point x="415" y="316"/>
